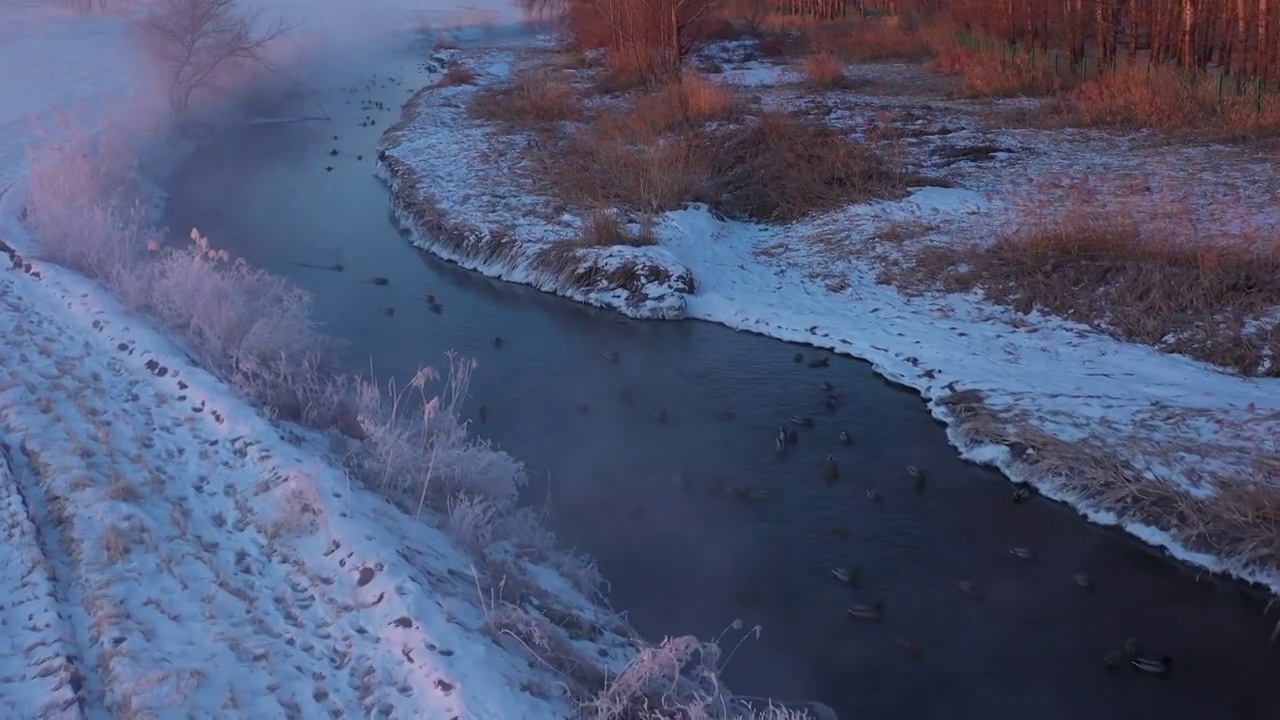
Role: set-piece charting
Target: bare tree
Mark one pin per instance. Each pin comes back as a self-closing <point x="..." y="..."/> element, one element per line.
<point x="201" y="44"/>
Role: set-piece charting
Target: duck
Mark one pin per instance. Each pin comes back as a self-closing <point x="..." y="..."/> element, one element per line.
<point x="918" y="477"/>
<point x="969" y="589"/>
<point x="832" y="402"/>
<point x="725" y="414"/>
<point x="844" y="438"/>
<point x="1156" y="666"/>
<point x="389" y="311"/>
<point x="803" y="420"/>
<point x="827" y="386"/>
<point x="1084" y="581"/>
<point x="798" y="357"/>
<point x="660" y="415"/>
<point x="830" y="470"/>
<point x="379" y="280"/>
<point x="873" y="612"/>
<point x="483" y="413"/>
<point x="874" y="496"/>
<point x="1022" y="553"/>
<point x="819" y="362"/>
<point x="497" y="341"/>
<point x="839" y="529"/>
<point x="793" y="436"/>
<point x="751" y="493"/>
<point x="781" y="441"/>
<point x="1021" y="494"/>
<point x="611" y="355"/>
<point x="847" y="575"/>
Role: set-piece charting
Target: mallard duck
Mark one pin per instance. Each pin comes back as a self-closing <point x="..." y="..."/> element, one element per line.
<point x="830" y="470"/>
<point x="660" y="415"/>
<point x="844" y="438"/>
<point x="969" y="589"/>
<point x="804" y="420"/>
<point x="827" y="386"/>
<point x="910" y="647"/>
<point x="848" y="576"/>
<point x="1156" y="666"/>
<point x="611" y="355"/>
<point x="871" y="613"/>
<point x="751" y="493"/>
<point x="1022" y="553"/>
<point x="793" y="436"/>
<point x="1021" y="494"/>
<point x="781" y="440"/>
<point x="874" y="496"/>
<point x="389" y="311"/>
<point x="430" y="299"/>
<point x="918" y="477"/>
<point x="483" y="413"/>
<point x="832" y="402"/>
<point x="497" y="341"/>
<point x="379" y="280"/>
<point x="798" y="357"/>
<point x="819" y="362"/>
<point x="1083" y="581"/>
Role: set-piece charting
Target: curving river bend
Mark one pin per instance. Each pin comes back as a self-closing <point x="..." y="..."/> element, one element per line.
<point x="684" y="560"/>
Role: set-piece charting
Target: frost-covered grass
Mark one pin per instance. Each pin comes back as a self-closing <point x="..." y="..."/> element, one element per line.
<point x="219" y="521"/>
<point x="1107" y="405"/>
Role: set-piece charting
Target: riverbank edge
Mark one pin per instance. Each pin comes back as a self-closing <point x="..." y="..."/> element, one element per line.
<point x="635" y="281"/>
<point x="972" y="428"/>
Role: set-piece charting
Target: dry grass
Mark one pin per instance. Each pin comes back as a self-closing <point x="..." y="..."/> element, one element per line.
<point x="823" y="71"/>
<point x="781" y="167"/>
<point x="990" y="72"/>
<point x="607" y="229"/>
<point x="854" y="40"/>
<point x="533" y="97"/>
<point x="456" y="74"/>
<point x="1131" y="270"/>
<point x="691" y="102"/>
<point x="1168" y="99"/>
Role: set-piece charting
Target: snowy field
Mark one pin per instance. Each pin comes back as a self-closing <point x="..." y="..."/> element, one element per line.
<point x="1085" y="418"/>
<point x="170" y="552"/>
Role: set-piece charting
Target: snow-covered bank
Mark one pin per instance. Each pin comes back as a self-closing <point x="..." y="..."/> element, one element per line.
<point x="1166" y="447"/>
<point x="174" y="547"/>
<point x="435" y="151"/>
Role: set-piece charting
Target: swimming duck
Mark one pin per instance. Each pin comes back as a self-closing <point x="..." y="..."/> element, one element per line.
<point x="497" y="341"/>
<point x="970" y="590"/>
<point x="660" y="415"/>
<point x="483" y="413"/>
<point x="1156" y="666"/>
<point x="830" y="470"/>
<point x="781" y="441"/>
<point x="874" y="496"/>
<point x="848" y="576"/>
<point x="725" y="414"/>
<point x="793" y="436"/>
<point x="819" y="362"/>
<point x="827" y="386"/>
<point x="1084" y="581"/>
<point x="844" y="438"/>
<point x="839" y="529"/>
<point x="751" y="493"/>
<point x="832" y="402"/>
<point x="918" y="477"/>
<point x="1021" y="494"/>
<point x="1025" y="554"/>
<point x="611" y="355"/>
<point x="871" y="613"/>
<point x="389" y="311"/>
<point x="804" y="420"/>
<point x="379" y="280"/>
<point x="798" y="357"/>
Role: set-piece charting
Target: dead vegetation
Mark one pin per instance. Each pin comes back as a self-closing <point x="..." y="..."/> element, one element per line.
<point x="456" y="74"/>
<point x="533" y="97"/>
<point x="1131" y="269"/>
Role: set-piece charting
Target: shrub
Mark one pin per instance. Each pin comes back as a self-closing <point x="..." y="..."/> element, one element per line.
<point x="691" y="102"/>
<point x="994" y="72"/>
<point x="456" y="74"/>
<point x="823" y="70"/>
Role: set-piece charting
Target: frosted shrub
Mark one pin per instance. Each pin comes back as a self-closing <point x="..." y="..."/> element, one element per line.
<point x="254" y="327"/>
<point x="471" y="521"/>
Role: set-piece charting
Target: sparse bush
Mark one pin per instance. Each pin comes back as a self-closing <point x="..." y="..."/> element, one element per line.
<point x="606" y="229"/>
<point x="823" y="70"/>
<point x="533" y="97"/>
<point x="997" y="72"/>
<point x="201" y="44"/>
<point x="456" y="74"/>
<point x="689" y="103"/>
<point x="781" y="167"/>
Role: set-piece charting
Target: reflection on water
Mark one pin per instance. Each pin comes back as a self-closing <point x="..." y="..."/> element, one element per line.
<point x="683" y="559"/>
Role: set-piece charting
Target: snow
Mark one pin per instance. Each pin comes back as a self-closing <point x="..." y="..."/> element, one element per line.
<point x="1176" y="420"/>
<point x="166" y="545"/>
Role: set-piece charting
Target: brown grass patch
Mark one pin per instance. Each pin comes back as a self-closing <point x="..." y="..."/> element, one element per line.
<point x="456" y="74"/>
<point x="606" y="229"/>
<point x="855" y="40"/>
<point x="1130" y="271"/>
<point x="823" y="71"/>
<point x="992" y="72"/>
<point x="691" y="102"/>
<point x="781" y="167"/>
<point x="1171" y="100"/>
<point x="533" y="97"/>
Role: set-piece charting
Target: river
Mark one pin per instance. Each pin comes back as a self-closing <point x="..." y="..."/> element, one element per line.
<point x="682" y="559"/>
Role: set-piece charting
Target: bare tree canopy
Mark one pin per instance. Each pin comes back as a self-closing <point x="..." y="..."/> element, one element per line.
<point x="200" y="44"/>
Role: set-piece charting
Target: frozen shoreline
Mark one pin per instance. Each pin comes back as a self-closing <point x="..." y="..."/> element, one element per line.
<point x="1001" y="381"/>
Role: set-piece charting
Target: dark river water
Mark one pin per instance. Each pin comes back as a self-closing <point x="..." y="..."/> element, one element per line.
<point x="683" y="560"/>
